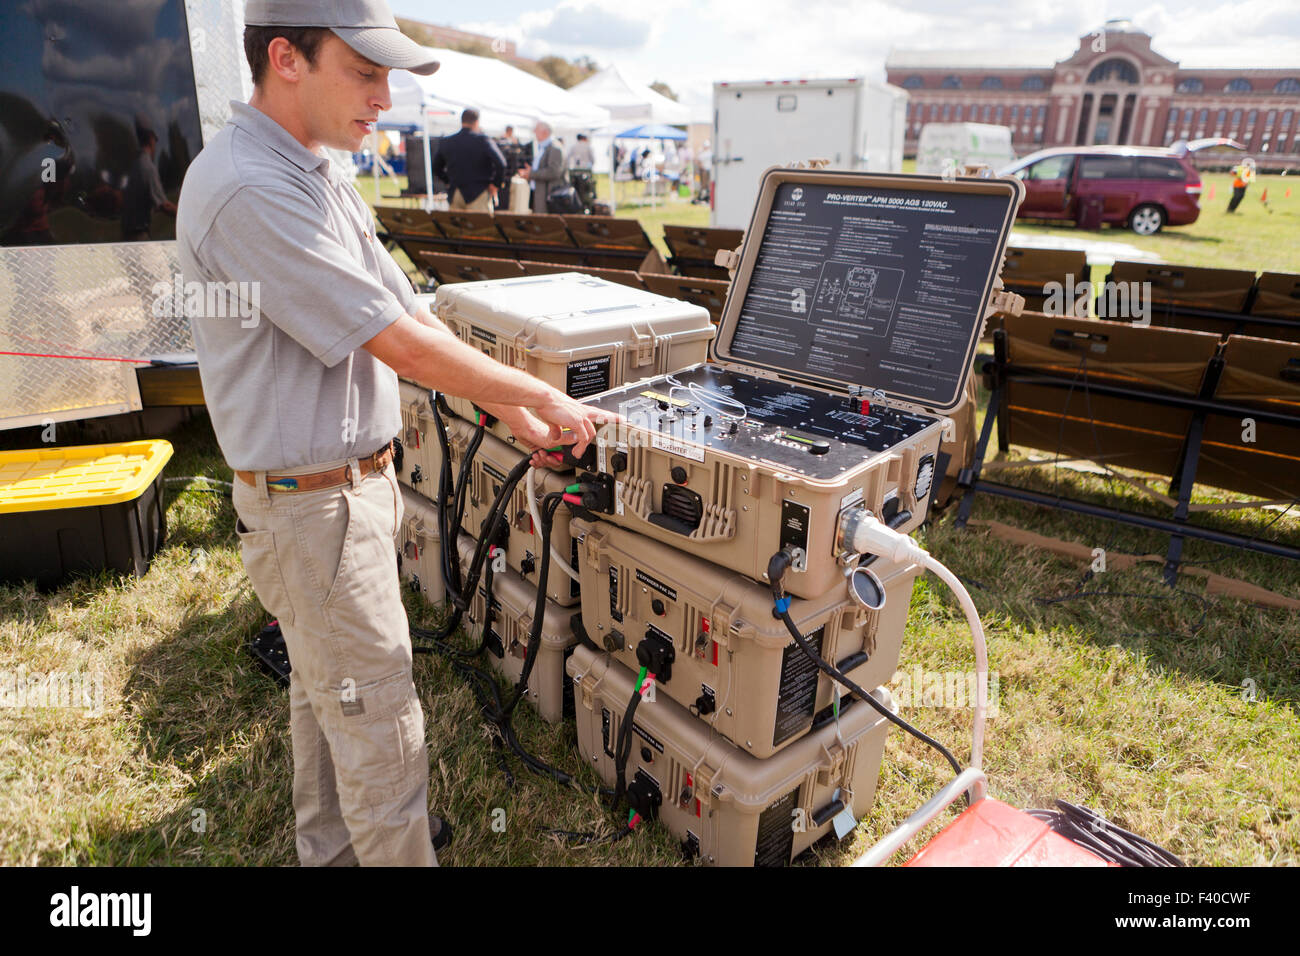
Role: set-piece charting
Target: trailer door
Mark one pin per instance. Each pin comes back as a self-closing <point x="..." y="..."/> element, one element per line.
<point x="758" y="127"/>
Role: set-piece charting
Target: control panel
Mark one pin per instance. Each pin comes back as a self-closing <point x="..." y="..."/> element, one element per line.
<point x="799" y="430"/>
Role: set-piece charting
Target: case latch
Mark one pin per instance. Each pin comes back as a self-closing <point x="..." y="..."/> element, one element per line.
<point x="1008" y="303"/>
<point x="645" y="348"/>
<point x="829" y="772"/>
<point x="593" y="546"/>
<point x="720" y="620"/>
<point x="728" y="259"/>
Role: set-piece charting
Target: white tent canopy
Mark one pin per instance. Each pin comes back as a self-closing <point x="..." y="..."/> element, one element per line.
<point x="502" y="94"/>
<point x="629" y="103"/>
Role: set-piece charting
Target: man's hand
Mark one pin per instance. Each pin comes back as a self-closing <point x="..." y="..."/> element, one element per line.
<point x="528" y="430"/>
<point x="572" y="423"/>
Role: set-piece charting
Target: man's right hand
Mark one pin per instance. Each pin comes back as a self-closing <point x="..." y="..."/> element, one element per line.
<point x="572" y="423"/>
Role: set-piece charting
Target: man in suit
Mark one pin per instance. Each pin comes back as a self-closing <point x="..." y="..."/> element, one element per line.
<point x="547" y="170"/>
<point x="472" y="166"/>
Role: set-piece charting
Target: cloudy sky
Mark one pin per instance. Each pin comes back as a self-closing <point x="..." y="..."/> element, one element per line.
<point x="691" y="43"/>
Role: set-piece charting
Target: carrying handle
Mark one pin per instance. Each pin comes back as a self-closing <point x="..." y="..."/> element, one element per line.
<point x="971" y="780"/>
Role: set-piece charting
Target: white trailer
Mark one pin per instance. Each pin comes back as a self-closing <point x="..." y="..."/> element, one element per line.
<point x="953" y="145"/>
<point x="854" y="123"/>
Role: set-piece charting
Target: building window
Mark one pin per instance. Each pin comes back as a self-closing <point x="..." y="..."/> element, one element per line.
<point x="1113" y="70"/>
<point x="1042" y="113"/>
<point x="1038" y="134"/>
<point x="947" y="112"/>
<point x="1033" y="83"/>
<point x="1190" y="85"/>
<point x="951" y="83"/>
<point x="1289" y="85"/>
<point x="1219" y="122"/>
<point x="997" y="116"/>
<point x="991" y="83"/>
<point x="1270" y="118"/>
<point x="913" y="82"/>
<point x="1239" y="85"/>
<point x="1015" y="112"/>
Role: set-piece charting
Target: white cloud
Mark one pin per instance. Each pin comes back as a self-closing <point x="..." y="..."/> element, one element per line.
<point x="690" y="45"/>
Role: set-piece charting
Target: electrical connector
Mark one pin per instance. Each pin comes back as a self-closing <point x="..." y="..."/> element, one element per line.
<point x="862" y="533"/>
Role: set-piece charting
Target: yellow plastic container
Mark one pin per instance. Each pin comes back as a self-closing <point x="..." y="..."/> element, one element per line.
<point x="82" y="508"/>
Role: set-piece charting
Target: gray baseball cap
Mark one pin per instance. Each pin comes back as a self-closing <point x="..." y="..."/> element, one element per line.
<point x="365" y="25"/>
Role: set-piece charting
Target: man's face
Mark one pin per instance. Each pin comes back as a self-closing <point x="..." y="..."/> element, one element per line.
<point x="541" y="133"/>
<point x="342" y="97"/>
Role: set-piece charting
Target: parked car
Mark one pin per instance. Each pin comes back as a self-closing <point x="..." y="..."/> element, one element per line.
<point x="1142" y="188"/>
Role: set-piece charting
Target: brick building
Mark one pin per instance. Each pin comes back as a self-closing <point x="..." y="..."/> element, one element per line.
<point x="1113" y="89"/>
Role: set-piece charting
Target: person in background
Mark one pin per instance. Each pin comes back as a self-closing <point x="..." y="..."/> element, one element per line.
<point x="510" y="136"/>
<point x="472" y="166"/>
<point x="704" y="170"/>
<point x="547" y="170"/>
<point x="144" y="190"/>
<point x="1243" y="176"/>
<point x="581" y="156"/>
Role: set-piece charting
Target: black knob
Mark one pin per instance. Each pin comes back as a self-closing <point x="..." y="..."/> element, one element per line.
<point x="818" y="447"/>
<point x="679" y="474"/>
<point x="646" y="755"/>
<point x="618" y="461"/>
<point x="658" y="607"/>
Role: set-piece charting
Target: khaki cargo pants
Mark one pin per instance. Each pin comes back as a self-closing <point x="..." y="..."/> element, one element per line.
<point x="324" y="563"/>
<point x="482" y="202"/>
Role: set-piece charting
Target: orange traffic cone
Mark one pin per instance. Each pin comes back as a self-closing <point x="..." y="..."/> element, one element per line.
<point x="1263" y="197"/>
<point x="1211" y="196"/>
<point x="1287" y="194"/>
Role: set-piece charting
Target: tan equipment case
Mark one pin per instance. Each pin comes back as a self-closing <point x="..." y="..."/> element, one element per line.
<point x="725" y="805"/>
<point x="578" y="333"/>
<point x="766" y="450"/>
<point x="732" y="663"/>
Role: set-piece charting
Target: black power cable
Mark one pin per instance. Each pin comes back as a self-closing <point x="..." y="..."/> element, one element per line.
<point x="776" y="568"/>
<point x="482" y="683"/>
<point x="1095" y="833"/>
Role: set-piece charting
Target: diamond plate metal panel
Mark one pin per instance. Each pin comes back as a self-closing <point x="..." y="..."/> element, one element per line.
<point x="95" y="302"/>
<point x="91" y="301"/>
<point x="220" y="69"/>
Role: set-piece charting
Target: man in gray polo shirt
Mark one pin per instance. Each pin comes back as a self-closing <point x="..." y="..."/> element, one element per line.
<point x="299" y="362"/>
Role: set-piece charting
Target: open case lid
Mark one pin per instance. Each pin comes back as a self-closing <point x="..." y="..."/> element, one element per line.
<point x="851" y="280"/>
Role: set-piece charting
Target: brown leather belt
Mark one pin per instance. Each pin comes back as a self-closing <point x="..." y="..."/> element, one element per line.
<point x="321" y="480"/>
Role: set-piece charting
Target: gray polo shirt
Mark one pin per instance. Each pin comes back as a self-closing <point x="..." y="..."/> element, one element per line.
<point x="290" y="282"/>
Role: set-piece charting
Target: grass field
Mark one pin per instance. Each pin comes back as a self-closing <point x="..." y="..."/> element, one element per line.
<point x="1174" y="712"/>
<point x="1114" y="692"/>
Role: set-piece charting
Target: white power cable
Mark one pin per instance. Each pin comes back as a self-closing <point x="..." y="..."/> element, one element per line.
<point x="530" y="493"/>
<point x="867" y="535"/>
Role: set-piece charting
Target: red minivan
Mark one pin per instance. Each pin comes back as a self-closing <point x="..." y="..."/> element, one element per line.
<point x="1142" y="188"/>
